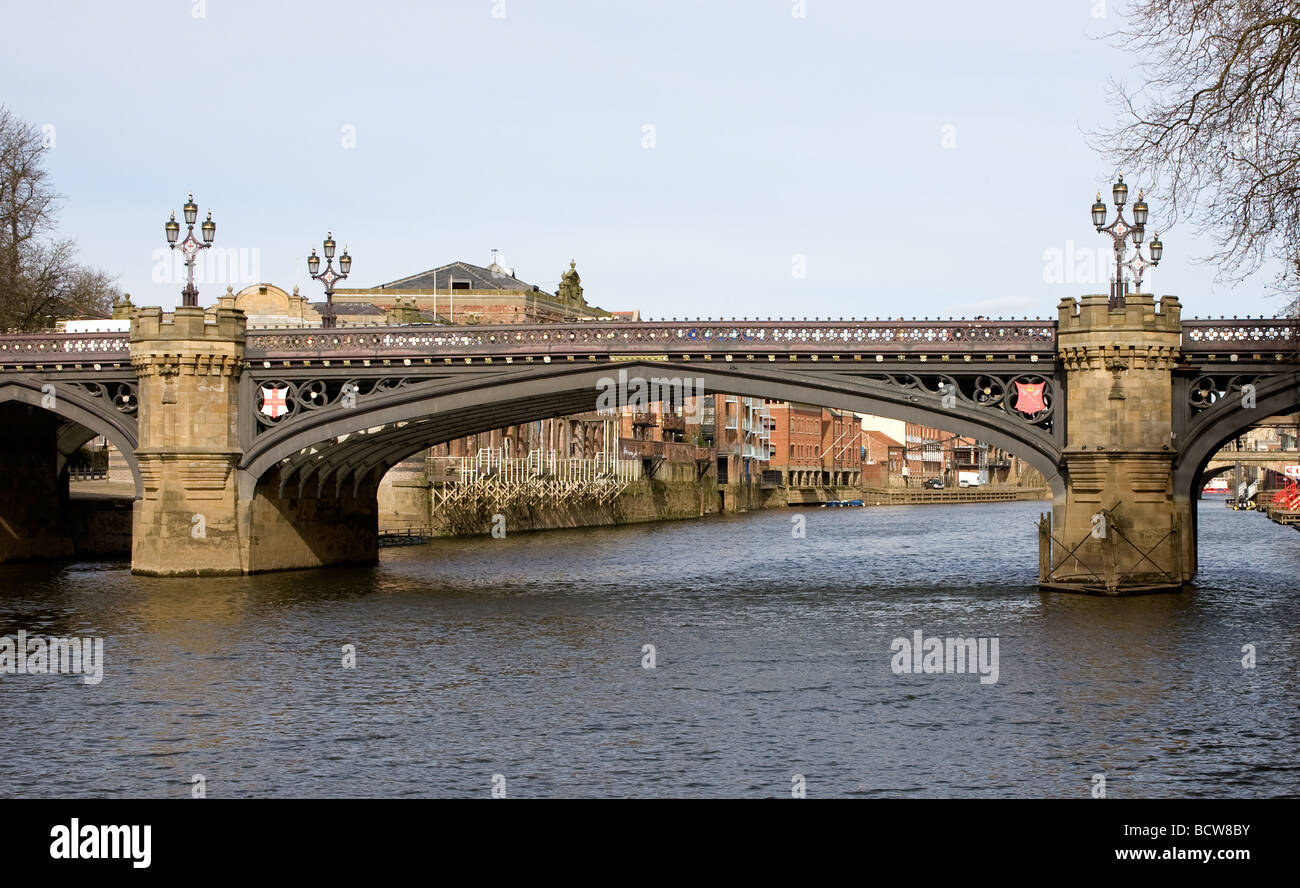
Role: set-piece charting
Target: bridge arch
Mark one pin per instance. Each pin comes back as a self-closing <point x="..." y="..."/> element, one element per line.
<point x="91" y="415"/>
<point x="335" y="443"/>
<point x="1224" y="422"/>
<point x="1214" y="428"/>
<point x="1217" y="466"/>
<point x="1269" y="474"/>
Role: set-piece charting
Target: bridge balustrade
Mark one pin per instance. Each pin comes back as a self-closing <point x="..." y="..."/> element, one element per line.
<point x="1248" y="335"/>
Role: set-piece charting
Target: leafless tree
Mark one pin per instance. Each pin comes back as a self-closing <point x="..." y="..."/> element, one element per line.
<point x="40" y="280"/>
<point x="1214" y="129"/>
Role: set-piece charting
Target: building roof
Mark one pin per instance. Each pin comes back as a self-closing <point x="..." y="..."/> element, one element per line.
<point x="369" y="309"/>
<point x="351" y="308"/>
<point x="879" y="439"/>
<point x="479" y="278"/>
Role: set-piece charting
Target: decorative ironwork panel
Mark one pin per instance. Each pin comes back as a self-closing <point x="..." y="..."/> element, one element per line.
<point x="1028" y="398"/>
<point x="121" y="395"/>
<point x="281" y="399"/>
<point x="1207" y="391"/>
<point x="659" y="336"/>
<point x="1277" y="335"/>
<point x="50" y="348"/>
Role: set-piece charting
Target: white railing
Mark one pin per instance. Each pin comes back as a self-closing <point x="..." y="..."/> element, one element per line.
<point x="537" y="464"/>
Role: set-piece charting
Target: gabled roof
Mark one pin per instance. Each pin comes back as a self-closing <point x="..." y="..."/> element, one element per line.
<point x="440" y="278"/>
<point x="369" y="309"/>
<point x="880" y="439"/>
<point x="351" y="308"/>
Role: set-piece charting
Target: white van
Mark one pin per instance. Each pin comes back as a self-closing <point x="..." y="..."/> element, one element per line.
<point x="968" y="479"/>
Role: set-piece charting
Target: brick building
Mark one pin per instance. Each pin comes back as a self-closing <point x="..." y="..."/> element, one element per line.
<point x="742" y="430"/>
<point x="882" y="458"/>
<point x="814" y="446"/>
<point x="794" y="447"/>
<point x="841" y="450"/>
<point x="924" y="456"/>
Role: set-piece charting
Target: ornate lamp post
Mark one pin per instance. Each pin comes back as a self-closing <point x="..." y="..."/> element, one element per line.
<point x="190" y="247"/>
<point x="329" y="275"/>
<point x="1120" y="232"/>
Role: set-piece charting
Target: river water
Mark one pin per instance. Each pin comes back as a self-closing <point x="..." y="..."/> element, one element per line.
<point x="520" y="664"/>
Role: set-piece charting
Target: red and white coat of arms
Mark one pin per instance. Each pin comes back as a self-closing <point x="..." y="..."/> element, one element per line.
<point x="274" y="404"/>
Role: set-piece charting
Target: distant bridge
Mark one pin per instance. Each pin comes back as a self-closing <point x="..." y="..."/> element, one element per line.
<point x="1274" y="461"/>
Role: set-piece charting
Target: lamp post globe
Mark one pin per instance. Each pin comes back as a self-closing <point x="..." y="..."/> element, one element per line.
<point x="1119" y="192"/>
<point x="329" y="275"/>
<point x="190" y="246"/>
<point x="1121" y="232"/>
<point x="1140" y="211"/>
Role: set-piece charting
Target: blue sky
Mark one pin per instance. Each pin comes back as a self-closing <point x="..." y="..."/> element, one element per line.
<point x="911" y="161"/>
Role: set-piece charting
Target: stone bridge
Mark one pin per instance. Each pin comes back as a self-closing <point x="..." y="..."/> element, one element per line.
<point x="263" y="450"/>
<point x="1274" y="461"/>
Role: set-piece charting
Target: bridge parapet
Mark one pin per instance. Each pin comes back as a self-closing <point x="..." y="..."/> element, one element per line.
<point x="663" y="337"/>
<point x="1259" y="338"/>
<point x="22" y="350"/>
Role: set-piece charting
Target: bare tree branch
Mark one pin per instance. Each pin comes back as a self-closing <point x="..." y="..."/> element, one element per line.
<point x="1214" y="131"/>
<point x="40" y="281"/>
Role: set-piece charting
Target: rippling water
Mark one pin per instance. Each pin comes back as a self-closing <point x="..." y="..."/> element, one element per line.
<point x="523" y="657"/>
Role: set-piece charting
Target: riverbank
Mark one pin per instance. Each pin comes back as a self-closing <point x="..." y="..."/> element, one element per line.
<point x="911" y="496"/>
<point x="100" y="512"/>
<point x="647" y="501"/>
<point x="640" y="502"/>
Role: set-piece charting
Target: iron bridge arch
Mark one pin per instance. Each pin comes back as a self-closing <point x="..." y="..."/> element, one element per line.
<point x="94" y="405"/>
<point x="336" y="424"/>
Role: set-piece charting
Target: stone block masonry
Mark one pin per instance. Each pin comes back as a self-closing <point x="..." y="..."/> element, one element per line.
<point x="201" y="515"/>
<point x="188" y="521"/>
<point x="1120" y="525"/>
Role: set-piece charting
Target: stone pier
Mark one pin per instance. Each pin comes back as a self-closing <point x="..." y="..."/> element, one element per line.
<point x="1120" y="527"/>
<point x="201" y="514"/>
<point x="187" y="522"/>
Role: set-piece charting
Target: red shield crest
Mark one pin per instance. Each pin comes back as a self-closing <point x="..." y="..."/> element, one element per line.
<point x="1029" y="397"/>
<point x="274" y="404"/>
